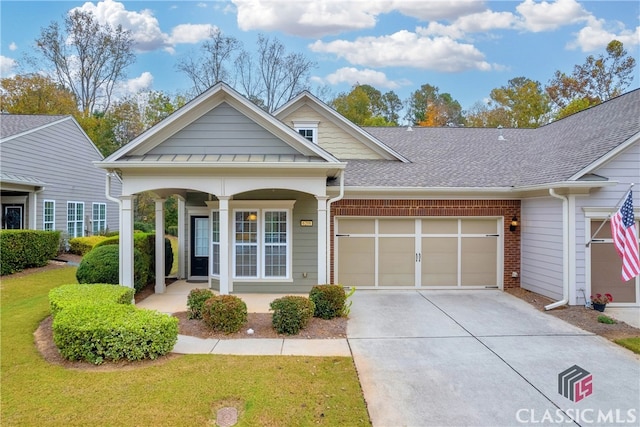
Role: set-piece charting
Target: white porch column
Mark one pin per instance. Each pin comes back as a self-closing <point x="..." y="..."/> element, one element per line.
<point x="225" y="249"/>
<point x="160" y="286"/>
<point x="182" y="237"/>
<point x="322" y="239"/>
<point x="33" y="210"/>
<point x="126" y="241"/>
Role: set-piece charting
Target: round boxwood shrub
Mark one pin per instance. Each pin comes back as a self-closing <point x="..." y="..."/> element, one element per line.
<point x="102" y="264"/>
<point x="224" y="313"/>
<point x="99" y="332"/>
<point x="291" y="314"/>
<point x="196" y="300"/>
<point x="329" y="300"/>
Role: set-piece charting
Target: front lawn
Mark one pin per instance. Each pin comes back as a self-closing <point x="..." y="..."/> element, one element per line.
<point x="632" y="344"/>
<point x="187" y="390"/>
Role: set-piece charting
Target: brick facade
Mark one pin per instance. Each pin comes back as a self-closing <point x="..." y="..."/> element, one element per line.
<point x="451" y="208"/>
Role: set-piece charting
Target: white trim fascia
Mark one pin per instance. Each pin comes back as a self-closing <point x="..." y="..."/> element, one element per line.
<point x="608" y="156"/>
<point x="369" y="140"/>
<point x="201" y="165"/>
<point x="209" y="100"/>
<point x="35" y="129"/>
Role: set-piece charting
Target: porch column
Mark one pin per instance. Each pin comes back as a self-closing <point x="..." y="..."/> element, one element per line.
<point x="160" y="286"/>
<point x="182" y="237"/>
<point x="224" y="244"/>
<point x="33" y="210"/>
<point x="322" y="239"/>
<point x="126" y="241"/>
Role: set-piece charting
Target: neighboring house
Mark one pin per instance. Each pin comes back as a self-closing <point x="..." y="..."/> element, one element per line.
<point x="48" y="180"/>
<point x="279" y="203"/>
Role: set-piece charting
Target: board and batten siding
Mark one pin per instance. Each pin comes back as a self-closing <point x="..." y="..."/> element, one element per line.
<point x="223" y="131"/>
<point x="61" y="156"/>
<point x="623" y="168"/>
<point x="331" y="137"/>
<point x="541" y="237"/>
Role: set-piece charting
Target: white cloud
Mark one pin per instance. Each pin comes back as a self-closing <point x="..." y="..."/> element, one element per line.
<point x="594" y="36"/>
<point x="140" y="83"/>
<point x="13" y="46"/>
<point x="144" y="26"/>
<point x="321" y="18"/>
<point x="191" y="33"/>
<point x="474" y="23"/>
<point x="353" y="76"/>
<point x="407" y="49"/>
<point x="7" y="66"/>
<point x="545" y="16"/>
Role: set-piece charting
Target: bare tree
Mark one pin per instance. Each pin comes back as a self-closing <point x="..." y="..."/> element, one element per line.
<point x="88" y="58"/>
<point x="211" y="67"/>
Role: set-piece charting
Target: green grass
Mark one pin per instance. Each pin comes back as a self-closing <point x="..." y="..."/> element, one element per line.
<point x="606" y="319"/>
<point x="184" y="391"/>
<point x="632" y="344"/>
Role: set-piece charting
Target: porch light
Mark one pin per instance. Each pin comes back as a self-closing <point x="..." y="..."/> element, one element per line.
<point x="514" y="223"/>
<point x="252" y="217"/>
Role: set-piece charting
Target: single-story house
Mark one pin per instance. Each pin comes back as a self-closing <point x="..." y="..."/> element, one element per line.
<point x="280" y="202"/>
<point x="48" y="180"/>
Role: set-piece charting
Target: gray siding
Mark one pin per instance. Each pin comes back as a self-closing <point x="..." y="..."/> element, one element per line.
<point x="541" y="259"/>
<point x="624" y="168"/>
<point x="223" y="130"/>
<point x="61" y="156"/>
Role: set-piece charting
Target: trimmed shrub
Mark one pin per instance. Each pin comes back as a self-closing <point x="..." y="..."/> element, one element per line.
<point x="329" y="300"/>
<point x="66" y="296"/>
<point x="96" y="333"/>
<point x="291" y="314"/>
<point x="224" y="313"/>
<point x="172" y="230"/>
<point x="20" y="249"/>
<point x="102" y="264"/>
<point x="82" y="245"/>
<point x="143" y="226"/>
<point x="196" y="300"/>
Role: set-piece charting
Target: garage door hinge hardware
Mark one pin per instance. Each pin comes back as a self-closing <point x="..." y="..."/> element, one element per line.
<point x="342" y="235"/>
<point x="492" y="235"/>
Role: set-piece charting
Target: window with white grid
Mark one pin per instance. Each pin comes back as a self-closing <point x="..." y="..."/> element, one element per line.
<point x="75" y="219"/>
<point x="49" y="215"/>
<point x="99" y="218"/>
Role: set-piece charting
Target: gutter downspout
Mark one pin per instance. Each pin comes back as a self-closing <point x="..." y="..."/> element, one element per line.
<point x="565" y="251"/>
<point x="329" y="203"/>
<point x="107" y="194"/>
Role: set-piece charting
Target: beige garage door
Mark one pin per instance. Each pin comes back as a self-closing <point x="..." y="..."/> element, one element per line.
<point x="433" y="252"/>
<point x="606" y="267"/>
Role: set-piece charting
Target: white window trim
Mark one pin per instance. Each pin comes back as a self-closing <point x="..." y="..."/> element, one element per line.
<point x="44" y="215"/>
<point x="307" y="125"/>
<point x="260" y="206"/>
<point x="75" y="214"/>
<point x="93" y="220"/>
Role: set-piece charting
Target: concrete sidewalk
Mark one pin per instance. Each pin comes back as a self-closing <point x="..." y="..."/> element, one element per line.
<point x="175" y="300"/>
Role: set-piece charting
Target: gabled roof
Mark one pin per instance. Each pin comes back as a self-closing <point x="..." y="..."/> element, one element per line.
<point x="306" y="98"/>
<point x="137" y="152"/>
<point x="561" y="152"/>
<point x="13" y="125"/>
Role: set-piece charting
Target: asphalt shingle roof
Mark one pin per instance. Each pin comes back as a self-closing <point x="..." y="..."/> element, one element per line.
<point x="476" y="157"/>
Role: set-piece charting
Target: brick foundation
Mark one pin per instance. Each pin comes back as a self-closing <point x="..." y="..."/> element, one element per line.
<point x="452" y="208"/>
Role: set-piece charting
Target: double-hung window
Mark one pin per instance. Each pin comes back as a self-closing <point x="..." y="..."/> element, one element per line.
<point x="75" y="219"/>
<point x="308" y="129"/>
<point x="215" y="243"/>
<point x="99" y="218"/>
<point x="262" y="248"/>
<point x="48" y="215"/>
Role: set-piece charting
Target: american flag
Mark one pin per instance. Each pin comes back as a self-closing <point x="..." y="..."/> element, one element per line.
<point x="625" y="240"/>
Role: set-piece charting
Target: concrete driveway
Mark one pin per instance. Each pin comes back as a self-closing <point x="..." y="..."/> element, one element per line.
<point x="483" y="358"/>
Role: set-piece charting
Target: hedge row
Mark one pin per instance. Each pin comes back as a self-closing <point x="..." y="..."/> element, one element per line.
<point x="66" y="296"/>
<point x="82" y="245"/>
<point x="95" y="325"/>
<point x="102" y="265"/>
<point x="20" y="249"/>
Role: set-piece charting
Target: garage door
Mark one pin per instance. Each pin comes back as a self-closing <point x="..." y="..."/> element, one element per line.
<point x="606" y="268"/>
<point x="418" y="252"/>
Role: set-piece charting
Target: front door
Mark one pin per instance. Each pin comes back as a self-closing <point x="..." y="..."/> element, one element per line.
<point x="199" y="246"/>
<point x="12" y="217"/>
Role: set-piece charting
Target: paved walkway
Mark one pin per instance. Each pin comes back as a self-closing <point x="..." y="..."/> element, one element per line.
<point x="175" y="300"/>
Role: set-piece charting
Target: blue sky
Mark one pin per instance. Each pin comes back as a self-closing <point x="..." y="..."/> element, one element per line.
<point x="464" y="47"/>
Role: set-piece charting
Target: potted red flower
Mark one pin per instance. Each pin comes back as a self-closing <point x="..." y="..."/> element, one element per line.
<point x="599" y="301"/>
